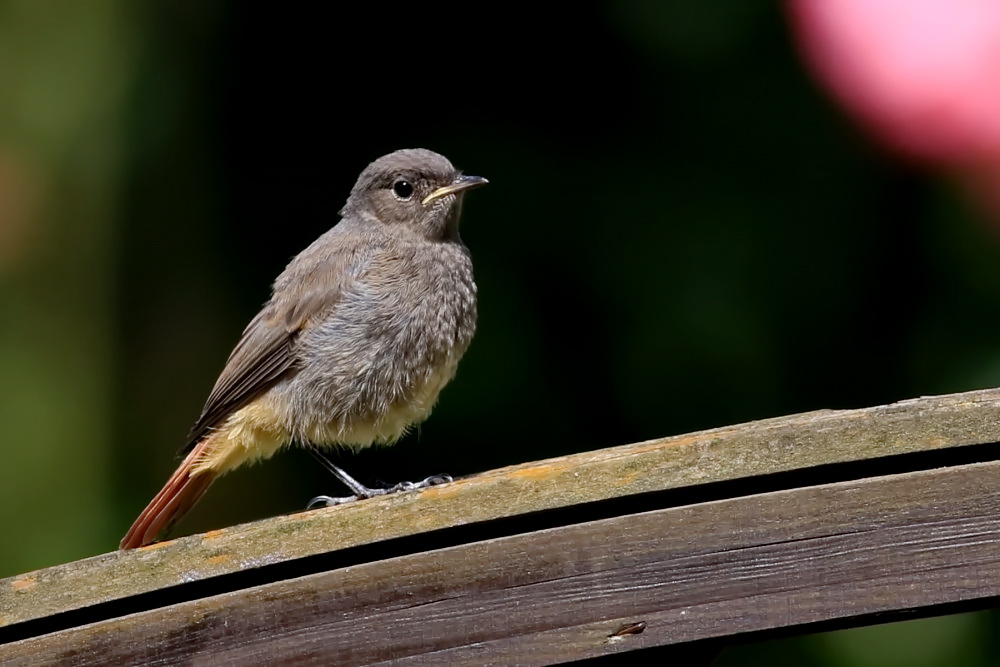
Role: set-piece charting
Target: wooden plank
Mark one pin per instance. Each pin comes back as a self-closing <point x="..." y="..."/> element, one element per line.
<point x="756" y="448"/>
<point x="781" y="559"/>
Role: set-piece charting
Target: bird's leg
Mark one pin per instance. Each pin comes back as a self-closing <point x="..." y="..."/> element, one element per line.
<point x="360" y="490"/>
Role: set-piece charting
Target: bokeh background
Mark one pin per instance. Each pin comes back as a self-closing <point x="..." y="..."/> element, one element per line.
<point x="692" y="221"/>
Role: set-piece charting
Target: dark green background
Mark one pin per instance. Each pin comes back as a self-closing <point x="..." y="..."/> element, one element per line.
<point x="682" y="231"/>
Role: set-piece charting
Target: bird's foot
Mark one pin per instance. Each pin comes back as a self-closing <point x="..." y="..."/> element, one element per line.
<point x="329" y="501"/>
<point x="366" y="492"/>
<point x="433" y="480"/>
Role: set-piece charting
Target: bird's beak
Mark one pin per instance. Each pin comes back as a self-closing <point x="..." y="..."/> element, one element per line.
<point x="460" y="184"/>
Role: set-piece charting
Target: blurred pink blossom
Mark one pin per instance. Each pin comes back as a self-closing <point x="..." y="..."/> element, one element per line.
<point x="923" y="75"/>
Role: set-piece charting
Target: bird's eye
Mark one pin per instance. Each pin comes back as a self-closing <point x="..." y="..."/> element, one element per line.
<point x="402" y="189"/>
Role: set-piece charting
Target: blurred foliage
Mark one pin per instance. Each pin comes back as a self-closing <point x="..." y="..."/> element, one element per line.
<point x="63" y="77"/>
<point x="681" y="232"/>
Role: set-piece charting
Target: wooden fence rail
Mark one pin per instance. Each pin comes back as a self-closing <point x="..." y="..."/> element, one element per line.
<point x="835" y="518"/>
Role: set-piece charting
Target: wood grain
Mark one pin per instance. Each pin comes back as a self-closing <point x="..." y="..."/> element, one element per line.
<point x="780" y="559"/>
<point x="747" y="450"/>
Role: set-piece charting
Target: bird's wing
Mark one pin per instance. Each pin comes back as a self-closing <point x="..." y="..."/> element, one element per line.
<point x="265" y="353"/>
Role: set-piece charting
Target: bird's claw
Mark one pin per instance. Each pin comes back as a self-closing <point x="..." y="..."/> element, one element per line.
<point x="437" y="480"/>
<point x="329" y="501"/>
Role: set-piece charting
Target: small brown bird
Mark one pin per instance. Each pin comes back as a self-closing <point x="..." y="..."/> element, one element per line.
<point x="362" y="331"/>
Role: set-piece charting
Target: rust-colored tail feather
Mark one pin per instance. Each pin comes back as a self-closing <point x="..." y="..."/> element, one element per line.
<point x="179" y="495"/>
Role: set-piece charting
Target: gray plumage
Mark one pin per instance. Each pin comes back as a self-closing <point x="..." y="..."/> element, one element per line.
<point x="370" y="317"/>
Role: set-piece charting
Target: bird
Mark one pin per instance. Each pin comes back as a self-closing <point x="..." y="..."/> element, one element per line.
<point x="361" y="332"/>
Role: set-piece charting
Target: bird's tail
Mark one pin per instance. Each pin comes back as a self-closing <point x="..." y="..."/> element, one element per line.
<point x="184" y="488"/>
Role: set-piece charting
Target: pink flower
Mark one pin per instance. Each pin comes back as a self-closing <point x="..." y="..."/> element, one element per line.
<point x="923" y="75"/>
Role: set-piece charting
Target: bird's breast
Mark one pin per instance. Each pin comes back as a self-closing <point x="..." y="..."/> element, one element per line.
<point x="378" y="364"/>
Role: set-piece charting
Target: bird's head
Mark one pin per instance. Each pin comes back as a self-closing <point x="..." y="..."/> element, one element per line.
<point x="415" y="190"/>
